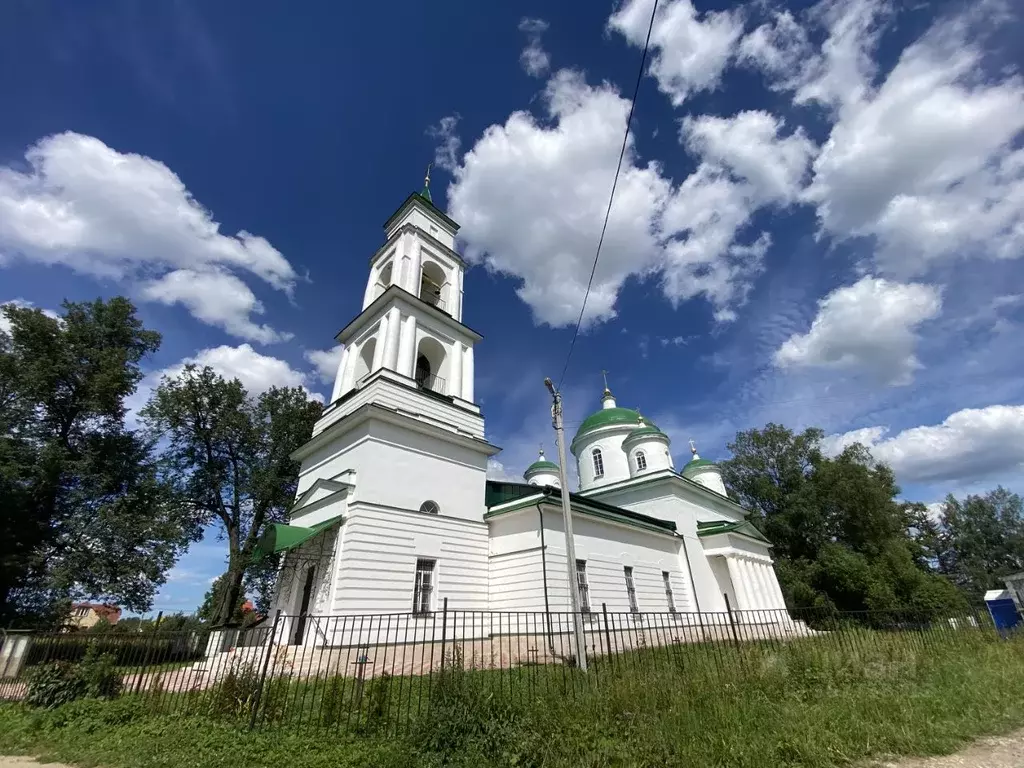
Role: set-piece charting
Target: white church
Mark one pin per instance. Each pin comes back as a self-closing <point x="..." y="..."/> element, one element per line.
<point x="394" y="513"/>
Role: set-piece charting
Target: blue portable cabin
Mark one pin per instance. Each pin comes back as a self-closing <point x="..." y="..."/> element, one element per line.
<point x="1002" y="609"/>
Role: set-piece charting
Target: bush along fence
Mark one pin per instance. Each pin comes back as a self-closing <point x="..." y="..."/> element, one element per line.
<point x="387" y="671"/>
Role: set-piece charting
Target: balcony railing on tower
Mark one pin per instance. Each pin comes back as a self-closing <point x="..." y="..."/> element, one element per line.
<point x="432" y="383"/>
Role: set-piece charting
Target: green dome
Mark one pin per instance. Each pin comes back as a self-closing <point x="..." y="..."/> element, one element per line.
<point x="694" y="464"/>
<point x="610" y="416"/>
<point x="642" y="432"/>
<point x="541" y="466"/>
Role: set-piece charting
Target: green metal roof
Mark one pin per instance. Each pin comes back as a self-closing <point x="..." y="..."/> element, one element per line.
<point x="642" y="432"/>
<point x="278" y="537"/>
<point x="608" y="417"/>
<point x="694" y="464"/>
<point x="498" y="492"/>
<point x="542" y="465"/>
<point x="425" y="194"/>
<point x="715" y="527"/>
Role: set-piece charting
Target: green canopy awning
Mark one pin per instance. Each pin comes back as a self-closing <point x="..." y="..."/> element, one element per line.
<point x="278" y="537"/>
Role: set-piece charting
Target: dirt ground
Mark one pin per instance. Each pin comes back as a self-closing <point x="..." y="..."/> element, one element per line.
<point x="996" y="752"/>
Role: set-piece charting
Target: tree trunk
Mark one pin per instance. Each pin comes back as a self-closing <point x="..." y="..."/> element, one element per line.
<point x="231" y="589"/>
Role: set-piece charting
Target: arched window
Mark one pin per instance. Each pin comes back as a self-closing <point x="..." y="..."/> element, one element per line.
<point x="429" y="507"/>
<point x="383" y="279"/>
<point x="641" y="461"/>
<point x="364" y="363"/>
<point x="598" y="463"/>
<point x="430" y="359"/>
<point x="432" y="283"/>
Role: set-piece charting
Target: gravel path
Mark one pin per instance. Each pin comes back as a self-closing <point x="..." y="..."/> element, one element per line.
<point x="996" y="752"/>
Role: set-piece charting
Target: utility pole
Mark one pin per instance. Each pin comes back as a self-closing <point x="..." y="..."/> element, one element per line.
<point x="570" y="542"/>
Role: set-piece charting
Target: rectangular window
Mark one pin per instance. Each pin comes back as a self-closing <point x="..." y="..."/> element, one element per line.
<point x="598" y="463"/>
<point x="630" y="589"/>
<point x="667" y="578"/>
<point x="582" y="586"/>
<point x="423" y="592"/>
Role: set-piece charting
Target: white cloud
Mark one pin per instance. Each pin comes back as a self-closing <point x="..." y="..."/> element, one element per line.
<point x="126" y="217"/>
<point x="833" y="445"/>
<point x="927" y="162"/>
<point x="446" y="154"/>
<point x="496" y="471"/>
<point x="869" y="325"/>
<point x="556" y="173"/>
<point x="970" y="445"/>
<point x="531" y="197"/>
<point x="750" y="146"/>
<point x="534" y="59"/>
<point x="326" y="362"/>
<point x="257" y="372"/>
<point x="689" y="50"/>
<point x="217" y="298"/>
<point x="780" y="49"/>
<point x="5" y="324"/>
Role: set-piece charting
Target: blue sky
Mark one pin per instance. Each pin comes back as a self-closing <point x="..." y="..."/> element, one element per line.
<point x="820" y="219"/>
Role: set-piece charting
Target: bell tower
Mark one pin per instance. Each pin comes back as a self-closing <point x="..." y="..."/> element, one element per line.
<point x="411" y="320"/>
<point x="402" y="415"/>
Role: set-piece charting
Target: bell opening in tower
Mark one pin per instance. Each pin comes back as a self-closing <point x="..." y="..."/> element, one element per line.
<point x="432" y="285"/>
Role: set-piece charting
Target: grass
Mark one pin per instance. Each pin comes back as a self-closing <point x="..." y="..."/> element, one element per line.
<point x="808" y="703"/>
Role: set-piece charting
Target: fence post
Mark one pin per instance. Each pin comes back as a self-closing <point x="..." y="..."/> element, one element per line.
<point x="444" y="629"/>
<point x="263" y="672"/>
<point x="148" y="658"/>
<point x="732" y="621"/>
<point x="607" y="632"/>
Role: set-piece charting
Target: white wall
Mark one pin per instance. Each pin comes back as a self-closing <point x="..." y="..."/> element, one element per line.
<point x="607" y="547"/>
<point x="377" y="568"/>
<point x="398" y="467"/>
<point x="616" y="464"/>
<point x="723" y="582"/>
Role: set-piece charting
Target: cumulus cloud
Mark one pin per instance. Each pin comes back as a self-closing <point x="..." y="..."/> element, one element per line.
<point x="534" y="59"/>
<point x="128" y="217"/>
<point x="5" y="324"/>
<point x="928" y="162"/>
<point x="689" y="50"/>
<point x="496" y="471"/>
<point x="555" y="173"/>
<point x="554" y="176"/>
<point x="326" y="362"/>
<point x="750" y="146"/>
<point x="217" y="298"/>
<point x="446" y="154"/>
<point x="870" y="325"/>
<point x="257" y="372"/>
<point x="970" y="445"/>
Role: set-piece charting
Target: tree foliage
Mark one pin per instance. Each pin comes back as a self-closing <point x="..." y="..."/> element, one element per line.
<point x="228" y="456"/>
<point x="85" y="514"/>
<point x="842" y="539"/>
<point x="981" y="540"/>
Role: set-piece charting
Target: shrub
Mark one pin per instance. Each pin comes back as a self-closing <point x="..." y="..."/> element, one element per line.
<point x="52" y="685"/>
<point x="99" y="674"/>
<point x="234" y="695"/>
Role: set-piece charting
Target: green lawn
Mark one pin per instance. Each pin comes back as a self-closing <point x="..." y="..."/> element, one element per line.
<point x="812" y="702"/>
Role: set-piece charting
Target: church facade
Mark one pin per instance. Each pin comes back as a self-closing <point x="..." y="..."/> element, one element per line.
<point x="394" y="513"/>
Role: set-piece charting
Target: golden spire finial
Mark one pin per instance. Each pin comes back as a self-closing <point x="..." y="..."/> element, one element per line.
<point x="426" y="179"/>
<point x="604" y="375"/>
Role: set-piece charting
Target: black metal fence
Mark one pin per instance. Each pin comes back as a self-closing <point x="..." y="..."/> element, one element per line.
<point x="386" y="671"/>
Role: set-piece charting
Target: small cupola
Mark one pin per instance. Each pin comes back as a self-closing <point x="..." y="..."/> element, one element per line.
<point x="542" y="472"/>
<point x="647" y="449"/>
<point x="704" y="472"/>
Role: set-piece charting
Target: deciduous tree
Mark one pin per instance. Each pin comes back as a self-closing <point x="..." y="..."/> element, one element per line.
<point x="228" y="455"/>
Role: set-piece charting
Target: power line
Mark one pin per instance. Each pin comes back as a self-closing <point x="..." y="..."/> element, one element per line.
<point x="611" y="197"/>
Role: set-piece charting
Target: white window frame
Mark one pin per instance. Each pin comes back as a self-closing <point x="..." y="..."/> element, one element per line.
<point x="583" y="586"/>
<point x="666" y="576"/>
<point x="641" y="461"/>
<point x="421" y="607"/>
<point x="627" y="572"/>
<point x="598" y="460"/>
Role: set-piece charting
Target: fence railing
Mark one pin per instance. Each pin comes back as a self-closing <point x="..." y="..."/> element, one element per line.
<point x="386" y="670"/>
